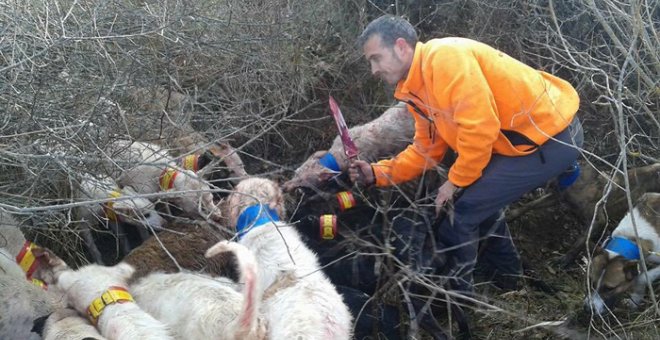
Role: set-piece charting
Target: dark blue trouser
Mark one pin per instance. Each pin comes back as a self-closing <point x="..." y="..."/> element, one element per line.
<point x="478" y="212"/>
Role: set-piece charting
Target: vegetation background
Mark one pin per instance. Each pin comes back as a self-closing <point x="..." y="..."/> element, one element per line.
<point x="76" y="74"/>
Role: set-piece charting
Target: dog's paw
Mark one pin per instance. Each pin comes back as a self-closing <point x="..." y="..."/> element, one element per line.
<point x="217" y="248"/>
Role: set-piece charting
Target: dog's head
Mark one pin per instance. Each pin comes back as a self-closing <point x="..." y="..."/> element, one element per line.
<point x="138" y="210"/>
<point x="49" y="266"/>
<point x="311" y="174"/>
<point x="611" y="276"/>
<point x="253" y="191"/>
<point x="197" y="199"/>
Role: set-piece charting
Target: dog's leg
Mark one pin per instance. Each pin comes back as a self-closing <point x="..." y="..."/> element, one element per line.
<point x="86" y="234"/>
<point x="639" y="290"/>
<point x="122" y="239"/>
<point x="144" y="232"/>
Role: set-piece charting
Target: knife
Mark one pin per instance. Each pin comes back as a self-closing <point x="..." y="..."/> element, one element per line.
<point x="350" y="149"/>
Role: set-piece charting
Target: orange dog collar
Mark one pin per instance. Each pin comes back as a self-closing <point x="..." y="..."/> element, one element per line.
<point x="190" y="162"/>
<point x="166" y="179"/>
<point x="346" y="200"/>
<point x="26" y="259"/>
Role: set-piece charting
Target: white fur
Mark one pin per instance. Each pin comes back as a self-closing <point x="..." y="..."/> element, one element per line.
<point x="196" y="199"/>
<point x="197" y="306"/>
<point x="137" y="211"/>
<point x="21" y="302"/>
<point x="11" y="237"/>
<point x="309" y="307"/>
<point x="125" y="321"/>
<point x="124" y="154"/>
<point x="644" y="229"/>
<point x="67" y="324"/>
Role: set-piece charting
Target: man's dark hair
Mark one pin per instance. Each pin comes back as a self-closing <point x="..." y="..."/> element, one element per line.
<point x="390" y="28"/>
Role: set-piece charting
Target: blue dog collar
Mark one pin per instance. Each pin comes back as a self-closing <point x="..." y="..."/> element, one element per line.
<point x="255" y="216"/>
<point x="624" y="247"/>
<point x="568" y="177"/>
<point x="330" y="162"/>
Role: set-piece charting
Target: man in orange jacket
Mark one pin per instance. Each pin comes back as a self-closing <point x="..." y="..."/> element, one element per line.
<point x="512" y="127"/>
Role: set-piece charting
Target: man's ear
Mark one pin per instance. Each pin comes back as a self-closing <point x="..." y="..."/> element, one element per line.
<point x="401" y="46"/>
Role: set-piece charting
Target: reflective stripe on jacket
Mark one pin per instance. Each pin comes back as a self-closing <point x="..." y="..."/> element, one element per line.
<point x="466" y="95"/>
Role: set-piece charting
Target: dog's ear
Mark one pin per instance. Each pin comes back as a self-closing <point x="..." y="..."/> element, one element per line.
<point x="124" y="208"/>
<point x="205" y="159"/>
<point x="277" y="202"/>
<point x="49" y="265"/>
<point x="46" y="257"/>
<point x="598" y="250"/>
<point x="326" y="175"/>
<point x="597" y="265"/>
<point x="631" y="269"/>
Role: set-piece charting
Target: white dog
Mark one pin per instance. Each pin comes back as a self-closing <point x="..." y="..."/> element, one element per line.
<point x="137" y="211"/>
<point x="196" y="198"/>
<point x="66" y="324"/>
<point x="615" y="269"/>
<point x="101" y="293"/>
<point x="306" y="307"/>
<point x="197" y="306"/>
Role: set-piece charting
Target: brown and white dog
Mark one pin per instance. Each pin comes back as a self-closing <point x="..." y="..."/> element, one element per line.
<point x="382" y="137"/>
<point x="299" y="301"/>
<point x="615" y="269"/>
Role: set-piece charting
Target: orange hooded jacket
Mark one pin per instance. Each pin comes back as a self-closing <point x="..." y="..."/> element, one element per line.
<point x="464" y="94"/>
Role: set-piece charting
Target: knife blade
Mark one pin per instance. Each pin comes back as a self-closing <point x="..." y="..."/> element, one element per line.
<point x="350" y="149"/>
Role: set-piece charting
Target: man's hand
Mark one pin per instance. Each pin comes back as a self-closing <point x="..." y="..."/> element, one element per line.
<point x="445" y="194"/>
<point x="361" y="172"/>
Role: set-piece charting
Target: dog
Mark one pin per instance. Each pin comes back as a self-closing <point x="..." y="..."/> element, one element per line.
<point x="102" y="294"/>
<point x="382" y="137"/>
<point x="21" y="302"/>
<point x="197" y="306"/>
<point x="122" y="154"/>
<point x="137" y="211"/>
<point x="196" y="198"/>
<point x="615" y="269"/>
<point x="300" y="302"/>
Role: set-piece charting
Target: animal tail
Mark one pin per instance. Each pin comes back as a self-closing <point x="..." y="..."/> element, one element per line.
<point x="247" y="265"/>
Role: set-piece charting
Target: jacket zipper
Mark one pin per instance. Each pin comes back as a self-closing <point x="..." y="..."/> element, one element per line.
<point x="422" y="114"/>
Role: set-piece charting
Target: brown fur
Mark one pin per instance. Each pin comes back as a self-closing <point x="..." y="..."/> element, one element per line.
<point x="585" y="193"/>
<point x="610" y="275"/>
<point x="187" y="249"/>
